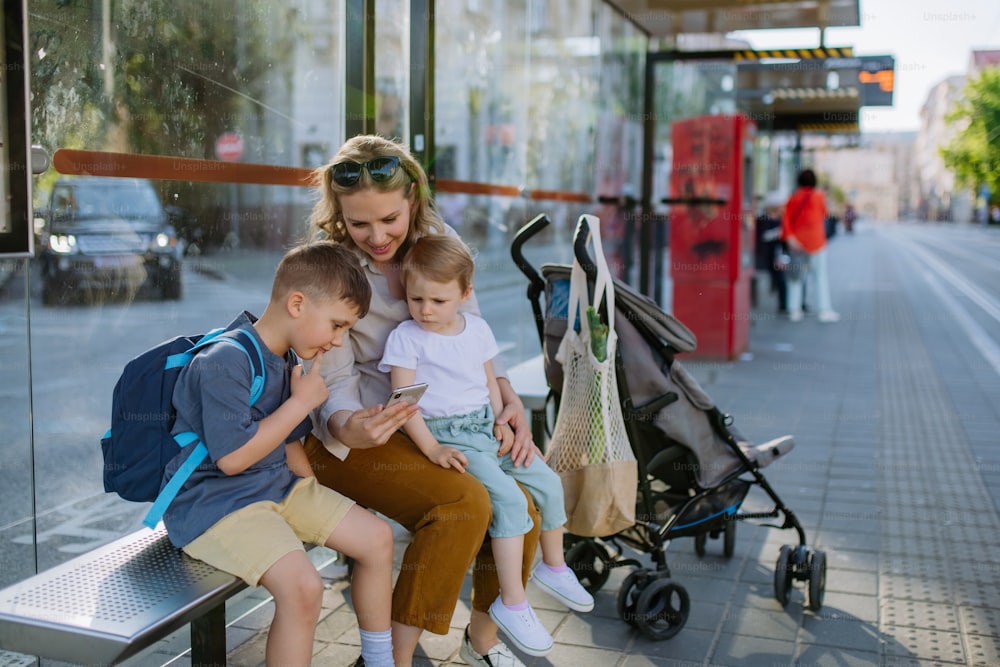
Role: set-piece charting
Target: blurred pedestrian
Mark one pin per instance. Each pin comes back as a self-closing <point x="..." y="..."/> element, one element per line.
<point x="769" y="250"/>
<point x="803" y="231"/>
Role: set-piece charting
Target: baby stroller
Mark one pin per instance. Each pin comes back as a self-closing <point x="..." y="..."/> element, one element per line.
<point x="695" y="468"/>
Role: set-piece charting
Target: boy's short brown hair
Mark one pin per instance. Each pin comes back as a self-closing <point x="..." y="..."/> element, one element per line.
<point x="323" y="270"/>
<point x="439" y="258"/>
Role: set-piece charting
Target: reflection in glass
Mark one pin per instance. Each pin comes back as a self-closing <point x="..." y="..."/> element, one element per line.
<point x="17" y="526"/>
<point x="521" y="93"/>
<point x="173" y="78"/>
<point x="166" y="78"/>
<point x="392" y="57"/>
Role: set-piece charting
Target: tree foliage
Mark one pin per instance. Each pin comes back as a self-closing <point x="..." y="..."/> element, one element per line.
<point x="175" y="75"/>
<point x="974" y="153"/>
<point x="161" y="77"/>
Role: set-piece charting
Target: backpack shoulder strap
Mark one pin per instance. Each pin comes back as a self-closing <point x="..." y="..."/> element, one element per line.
<point x="245" y="342"/>
<point x="172" y="487"/>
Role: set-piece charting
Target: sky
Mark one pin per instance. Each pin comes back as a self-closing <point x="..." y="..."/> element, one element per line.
<point x="930" y="39"/>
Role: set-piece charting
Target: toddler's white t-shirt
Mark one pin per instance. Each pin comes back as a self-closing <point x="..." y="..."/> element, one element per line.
<point x="452" y="366"/>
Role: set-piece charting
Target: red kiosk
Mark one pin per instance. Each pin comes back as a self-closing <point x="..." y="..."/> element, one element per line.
<point x="711" y="231"/>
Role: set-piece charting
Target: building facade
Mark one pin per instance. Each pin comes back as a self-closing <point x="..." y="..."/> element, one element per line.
<point x="938" y="196"/>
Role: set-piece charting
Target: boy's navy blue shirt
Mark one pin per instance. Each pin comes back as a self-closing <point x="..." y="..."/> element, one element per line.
<point x="212" y="398"/>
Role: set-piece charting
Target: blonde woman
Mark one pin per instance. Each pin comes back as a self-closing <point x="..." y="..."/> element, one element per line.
<point x="374" y="197"/>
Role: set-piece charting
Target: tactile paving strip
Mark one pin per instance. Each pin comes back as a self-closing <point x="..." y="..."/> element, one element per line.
<point x="919" y="614"/>
<point x="907" y="586"/>
<point x="980" y="621"/>
<point x="982" y="651"/>
<point x="918" y="645"/>
<point x="982" y="635"/>
<point x="932" y="499"/>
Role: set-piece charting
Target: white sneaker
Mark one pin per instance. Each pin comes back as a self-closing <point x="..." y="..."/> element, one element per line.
<point x="828" y="316"/>
<point x="563" y="586"/>
<point x="795" y="316"/>
<point x="498" y="656"/>
<point x="522" y="627"/>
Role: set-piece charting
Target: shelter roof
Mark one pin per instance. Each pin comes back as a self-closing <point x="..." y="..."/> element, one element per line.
<point x="669" y="18"/>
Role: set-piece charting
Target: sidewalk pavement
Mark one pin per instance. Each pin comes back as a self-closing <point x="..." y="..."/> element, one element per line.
<point x="893" y="475"/>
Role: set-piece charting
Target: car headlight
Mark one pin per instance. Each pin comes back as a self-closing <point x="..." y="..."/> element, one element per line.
<point x="163" y="242"/>
<point x="63" y="244"/>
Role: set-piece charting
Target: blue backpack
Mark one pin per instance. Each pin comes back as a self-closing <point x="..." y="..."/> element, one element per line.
<point x="139" y="444"/>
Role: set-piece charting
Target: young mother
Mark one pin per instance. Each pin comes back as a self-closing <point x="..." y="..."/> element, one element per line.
<point x="375" y="198"/>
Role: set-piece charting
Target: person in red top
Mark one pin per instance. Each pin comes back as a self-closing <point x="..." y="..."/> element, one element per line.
<point x="804" y="233"/>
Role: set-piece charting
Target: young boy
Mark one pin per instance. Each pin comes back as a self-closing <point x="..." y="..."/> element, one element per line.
<point x="248" y="508"/>
<point x="455" y="428"/>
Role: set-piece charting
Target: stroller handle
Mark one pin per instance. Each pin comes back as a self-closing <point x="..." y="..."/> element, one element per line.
<point x="535" y="283"/>
<point x="530" y="228"/>
<point x="580" y="237"/>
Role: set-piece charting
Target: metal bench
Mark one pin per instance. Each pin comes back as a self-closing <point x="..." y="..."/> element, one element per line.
<point x="111" y="603"/>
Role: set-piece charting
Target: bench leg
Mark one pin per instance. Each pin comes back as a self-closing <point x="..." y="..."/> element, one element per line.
<point x="208" y="638"/>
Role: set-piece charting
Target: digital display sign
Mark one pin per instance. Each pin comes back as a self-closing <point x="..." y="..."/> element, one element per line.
<point x="876" y="77"/>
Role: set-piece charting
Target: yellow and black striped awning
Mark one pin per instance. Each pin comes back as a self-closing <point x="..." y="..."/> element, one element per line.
<point x="829" y="128"/>
<point x="797" y="54"/>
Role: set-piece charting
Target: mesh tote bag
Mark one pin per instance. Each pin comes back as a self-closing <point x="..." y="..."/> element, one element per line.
<point x="590" y="449"/>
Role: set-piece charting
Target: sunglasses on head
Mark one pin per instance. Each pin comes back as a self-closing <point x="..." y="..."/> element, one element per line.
<point x="381" y="169"/>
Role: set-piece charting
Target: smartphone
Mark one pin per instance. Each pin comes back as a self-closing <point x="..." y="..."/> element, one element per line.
<point x="410" y="394"/>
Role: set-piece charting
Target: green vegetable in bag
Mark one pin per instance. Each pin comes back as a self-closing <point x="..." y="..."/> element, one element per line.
<point x="598" y="334"/>
<point x="599" y="346"/>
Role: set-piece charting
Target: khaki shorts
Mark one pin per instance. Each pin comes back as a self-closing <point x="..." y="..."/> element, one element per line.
<point x="249" y="541"/>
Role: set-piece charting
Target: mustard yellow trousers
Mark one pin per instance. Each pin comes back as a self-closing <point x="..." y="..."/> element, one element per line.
<point x="447" y="513"/>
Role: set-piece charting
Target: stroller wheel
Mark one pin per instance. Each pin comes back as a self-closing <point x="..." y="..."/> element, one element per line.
<point x="817" y="579"/>
<point x="699" y="544"/>
<point x="628" y="596"/>
<point x="662" y="609"/>
<point x="589" y="561"/>
<point x="783" y="575"/>
<point x="569" y="539"/>
<point x="729" y="539"/>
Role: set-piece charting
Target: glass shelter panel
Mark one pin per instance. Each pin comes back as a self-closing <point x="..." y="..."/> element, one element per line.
<point x="17" y="525"/>
<point x="392" y="57"/>
<point x="537" y="102"/>
<point x="184" y="89"/>
<point x="177" y="93"/>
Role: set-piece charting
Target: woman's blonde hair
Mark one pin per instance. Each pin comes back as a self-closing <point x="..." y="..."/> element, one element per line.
<point x="327" y="216"/>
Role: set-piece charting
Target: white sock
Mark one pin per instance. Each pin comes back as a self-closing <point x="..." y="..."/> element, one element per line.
<point x="376" y="648"/>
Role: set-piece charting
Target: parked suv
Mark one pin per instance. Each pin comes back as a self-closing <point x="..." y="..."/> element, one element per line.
<point x="107" y="234"/>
